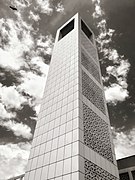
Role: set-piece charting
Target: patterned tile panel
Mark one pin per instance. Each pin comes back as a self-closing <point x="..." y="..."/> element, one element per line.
<point x="96" y="133"/>
<point x="88" y="63"/>
<point x="89" y="47"/>
<point x="94" y="172"/>
<point x="92" y="92"/>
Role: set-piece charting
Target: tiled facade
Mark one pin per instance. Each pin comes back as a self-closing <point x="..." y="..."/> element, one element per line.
<point x="72" y="140"/>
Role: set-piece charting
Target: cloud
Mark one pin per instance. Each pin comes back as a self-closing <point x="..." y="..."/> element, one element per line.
<point x="119" y="71"/>
<point x="124" y="143"/>
<point x="44" y="6"/>
<point x="115" y="93"/>
<point x="21" y="50"/>
<point x="4" y="113"/>
<point x="33" y="84"/>
<point x="59" y="7"/>
<point x="11" y="97"/>
<point x="19" y="129"/>
<point x="21" y="4"/>
<point x="8" y="60"/>
<point x="13" y="159"/>
<point x="45" y="43"/>
<point x="123" y="68"/>
<point x="37" y="108"/>
<point x="44" y="68"/>
<point x="33" y="16"/>
<point x="16" y="39"/>
<point x="98" y="11"/>
<point x="119" y="65"/>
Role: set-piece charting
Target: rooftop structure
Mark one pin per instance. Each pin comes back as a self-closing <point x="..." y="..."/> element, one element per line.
<point x="127" y="168"/>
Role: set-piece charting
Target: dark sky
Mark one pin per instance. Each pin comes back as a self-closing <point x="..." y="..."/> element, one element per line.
<point x="26" y="40"/>
<point x="119" y="15"/>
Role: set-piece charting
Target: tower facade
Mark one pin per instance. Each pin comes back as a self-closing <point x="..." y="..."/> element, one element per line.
<point x="72" y="139"/>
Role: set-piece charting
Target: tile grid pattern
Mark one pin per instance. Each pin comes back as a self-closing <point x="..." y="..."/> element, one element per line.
<point x="54" y="150"/>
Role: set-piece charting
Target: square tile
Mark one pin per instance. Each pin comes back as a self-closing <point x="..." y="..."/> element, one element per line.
<point x="53" y="156"/>
<point x="60" y="154"/>
<point x="59" y="168"/>
<point x="68" y="139"/>
<point x="54" y="143"/>
<point x="67" y="177"/>
<point x="40" y="161"/>
<point x="46" y="159"/>
<point x="67" y="166"/>
<point x="68" y="151"/>
<point x="61" y="141"/>
<point x="75" y="163"/>
<point x="32" y="175"/>
<point x="51" y="171"/>
<point x="69" y="126"/>
<point x="38" y="173"/>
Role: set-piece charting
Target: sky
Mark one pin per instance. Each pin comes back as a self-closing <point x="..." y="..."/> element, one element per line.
<point x="26" y="42"/>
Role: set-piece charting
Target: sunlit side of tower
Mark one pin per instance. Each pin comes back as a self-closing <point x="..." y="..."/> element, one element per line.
<point x="72" y="140"/>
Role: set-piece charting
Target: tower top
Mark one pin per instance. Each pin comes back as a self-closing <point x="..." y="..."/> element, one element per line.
<point x="75" y="22"/>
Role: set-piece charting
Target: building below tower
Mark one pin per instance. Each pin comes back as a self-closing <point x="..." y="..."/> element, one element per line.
<point x="126" y="168"/>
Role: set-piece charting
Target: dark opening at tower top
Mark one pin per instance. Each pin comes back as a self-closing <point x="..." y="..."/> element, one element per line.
<point x="86" y="30"/>
<point x="66" y="29"/>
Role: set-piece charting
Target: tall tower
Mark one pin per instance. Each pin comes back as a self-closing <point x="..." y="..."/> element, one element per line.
<point x="72" y="140"/>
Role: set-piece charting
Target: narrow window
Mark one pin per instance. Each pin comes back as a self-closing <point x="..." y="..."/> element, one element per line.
<point x="65" y="30"/>
<point x="133" y="174"/>
<point x="124" y="176"/>
<point x="86" y="30"/>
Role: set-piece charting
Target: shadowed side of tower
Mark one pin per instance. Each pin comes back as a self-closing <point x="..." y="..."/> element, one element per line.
<point x="72" y="139"/>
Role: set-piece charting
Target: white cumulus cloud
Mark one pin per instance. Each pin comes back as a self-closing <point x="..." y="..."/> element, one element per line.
<point x="45" y="42"/>
<point x="33" y="16"/>
<point x="33" y="84"/>
<point x="44" y="68"/>
<point x="13" y="159"/>
<point x="44" y="6"/>
<point x="124" y="143"/>
<point x="19" y="129"/>
<point x="120" y="66"/>
<point x="11" y="97"/>
<point x="98" y="11"/>
<point x="123" y="68"/>
<point x="4" y="113"/>
<point x="120" y="70"/>
<point x="8" y="59"/>
<point x="60" y="7"/>
<point x="21" y="3"/>
<point x="12" y="50"/>
<point x="115" y="93"/>
<point x="19" y="50"/>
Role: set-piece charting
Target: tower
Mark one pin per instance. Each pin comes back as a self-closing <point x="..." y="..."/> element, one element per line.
<point x="72" y="139"/>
